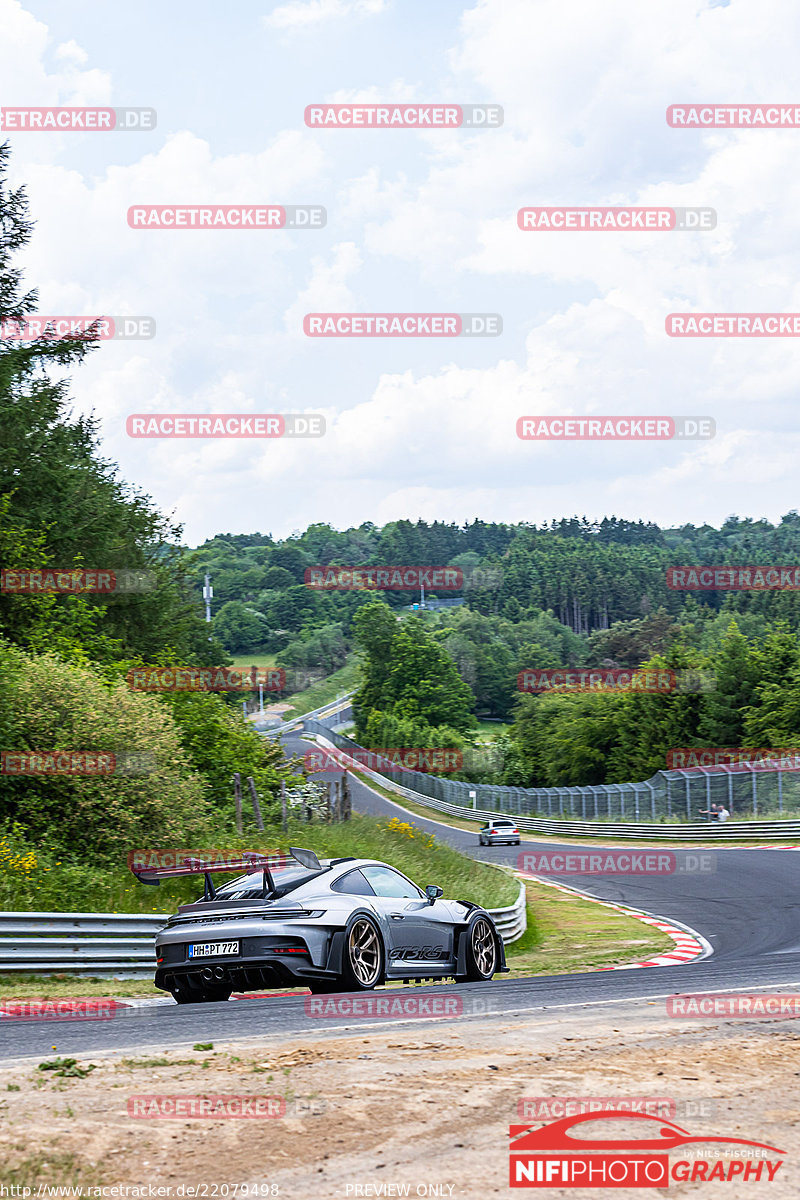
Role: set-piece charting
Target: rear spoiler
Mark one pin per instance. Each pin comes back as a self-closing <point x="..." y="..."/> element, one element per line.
<point x="248" y="861"/>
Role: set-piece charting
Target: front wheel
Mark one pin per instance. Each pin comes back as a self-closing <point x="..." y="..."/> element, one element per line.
<point x="362" y="966"/>
<point x="481" y="951"/>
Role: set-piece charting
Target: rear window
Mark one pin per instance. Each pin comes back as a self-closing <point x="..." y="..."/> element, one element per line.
<point x="504" y="824"/>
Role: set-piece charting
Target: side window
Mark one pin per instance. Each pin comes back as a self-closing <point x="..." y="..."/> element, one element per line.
<point x="353" y="884"/>
<point x="387" y="882"/>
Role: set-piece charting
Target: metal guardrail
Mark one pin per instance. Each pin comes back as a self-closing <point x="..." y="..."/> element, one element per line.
<point x="45" y="943"/>
<point x="324" y="710"/>
<point x="512" y="921"/>
<point x="78" y="943"/>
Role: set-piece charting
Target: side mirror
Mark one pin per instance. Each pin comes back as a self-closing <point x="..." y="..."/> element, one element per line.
<point x="433" y="892"/>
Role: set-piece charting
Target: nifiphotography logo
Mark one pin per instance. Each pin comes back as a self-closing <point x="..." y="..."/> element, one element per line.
<point x="635" y="1154"/>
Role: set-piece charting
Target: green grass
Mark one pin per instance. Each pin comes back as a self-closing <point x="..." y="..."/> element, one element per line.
<point x="264" y="662"/>
<point x="571" y="934"/>
<point x="325" y="691"/>
<point x="489" y="729"/>
<point x="418" y="855"/>
<point x="28" y="986"/>
<point x="70" y="887"/>
<point x="24" y="1169"/>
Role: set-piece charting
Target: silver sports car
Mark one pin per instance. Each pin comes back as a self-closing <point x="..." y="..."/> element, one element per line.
<point x="342" y="924"/>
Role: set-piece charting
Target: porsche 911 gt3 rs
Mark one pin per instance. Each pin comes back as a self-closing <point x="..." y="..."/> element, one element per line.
<point x="343" y="924"/>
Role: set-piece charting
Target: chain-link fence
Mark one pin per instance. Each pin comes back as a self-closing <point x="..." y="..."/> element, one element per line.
<point x="687" y="795"/>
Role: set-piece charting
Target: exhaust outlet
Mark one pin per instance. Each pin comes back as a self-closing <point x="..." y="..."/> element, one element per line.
<point x="219" y="972"/>
<point x="207" y="974"/>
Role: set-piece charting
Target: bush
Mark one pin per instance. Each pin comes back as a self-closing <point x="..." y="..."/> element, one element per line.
<point x="49" y="705"/>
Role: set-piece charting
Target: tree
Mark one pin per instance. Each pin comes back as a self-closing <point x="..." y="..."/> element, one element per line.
<point x="60" y="494"/>
<point x="240" y="628"/>
<point x="406" y="673"/>
<point x="722" y="711"/>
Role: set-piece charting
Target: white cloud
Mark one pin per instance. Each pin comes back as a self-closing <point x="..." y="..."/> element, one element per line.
<point x="308" y="14"/>
<point x="585" y="90"/>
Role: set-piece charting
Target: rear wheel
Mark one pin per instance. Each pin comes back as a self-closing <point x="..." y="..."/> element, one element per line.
<point x="481" y="951"/>
<point x="363" y="955"/>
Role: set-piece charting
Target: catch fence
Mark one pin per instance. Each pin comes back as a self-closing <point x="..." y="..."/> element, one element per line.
<point x="748" y="792"/>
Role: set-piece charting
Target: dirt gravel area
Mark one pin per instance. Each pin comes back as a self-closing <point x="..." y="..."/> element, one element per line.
<point x="407" y="1109"/>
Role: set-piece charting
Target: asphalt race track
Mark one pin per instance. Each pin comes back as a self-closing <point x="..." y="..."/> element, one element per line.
<point x="747" y="909"/>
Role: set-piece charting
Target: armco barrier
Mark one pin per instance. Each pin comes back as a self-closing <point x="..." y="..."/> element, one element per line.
<point x="79" y="943"/>
<point x="327" y="712"/>
<point x="120" y="944"/>
<point x="512" y="921"/>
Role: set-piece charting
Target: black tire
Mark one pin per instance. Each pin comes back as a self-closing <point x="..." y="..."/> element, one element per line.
<point x="363" y="956"/>
<point x="183" y="994"/>
<point x="323" y="987"/>
<point x="482" y="954"/>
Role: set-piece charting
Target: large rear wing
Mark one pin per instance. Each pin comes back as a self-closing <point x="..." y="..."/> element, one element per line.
<point x="151" y="867"/>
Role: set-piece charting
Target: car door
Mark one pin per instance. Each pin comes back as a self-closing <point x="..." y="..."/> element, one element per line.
<point x="421" y="933"/>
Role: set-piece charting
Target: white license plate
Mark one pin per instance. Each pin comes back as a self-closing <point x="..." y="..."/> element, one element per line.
<point x="213" y="949"/>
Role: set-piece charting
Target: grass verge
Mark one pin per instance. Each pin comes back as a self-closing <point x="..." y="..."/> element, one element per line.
<point x="73" y="887"/>
<point x="571" y="935"/>
<point x="243" y="662"/>
<point x="324" y="691"/>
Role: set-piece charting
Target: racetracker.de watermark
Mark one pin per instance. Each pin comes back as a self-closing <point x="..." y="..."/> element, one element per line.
<point x="105" y="329"/>
<point x="399" y="1006"/>
<point x="611" y="429"/>
<point x="617" y="679"/>
<point x="225" y="425"/>
<point x="400" y="324"/>
<point x="597" y="679"/>
<point x="208" y="679"/>
<point x="734" y="1004"/>
<point x="227" y="216"/>
<point x="700" y="758"/>
<point x="733" y="325"/>
<point x="733" y="116"/>
<point x="553" y="1108"/>
<point x="604" y="220"/>
<point x="762" y="578"/>
<point x="95" y="1008"/>
<point x="618" y="862"/>
<point x="206" y="1108"/>
<point x="432" y="758"/>
<point x="403" y="116"/>
<point x="93" y="120"/>
<point x="173" y="859"/>
<point x="385" y="578"/>
<point x="47" y="581"/>
<point x="76" y="762"/>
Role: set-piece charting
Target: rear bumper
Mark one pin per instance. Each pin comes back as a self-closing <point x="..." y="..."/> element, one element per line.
<point x="264" y="960"/>
<point x="242" y="974"/>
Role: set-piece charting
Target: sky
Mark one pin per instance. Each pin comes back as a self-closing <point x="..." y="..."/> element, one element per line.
<point x="421" y="221"/>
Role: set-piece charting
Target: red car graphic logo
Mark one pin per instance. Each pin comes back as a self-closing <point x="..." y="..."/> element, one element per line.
<point x="666" y="1135"/>
<point x="557" y="1154"/>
